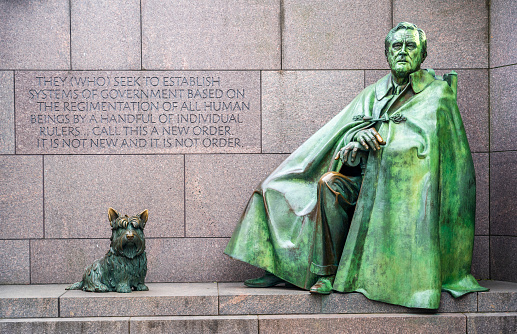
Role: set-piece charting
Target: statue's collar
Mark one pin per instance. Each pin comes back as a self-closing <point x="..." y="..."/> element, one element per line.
<point x="418" y="80"/>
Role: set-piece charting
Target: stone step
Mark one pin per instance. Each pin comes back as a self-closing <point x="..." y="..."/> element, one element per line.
<point x="171" y="299"/>
<point x="451" y="323"/>
<point x="232" y="307"/>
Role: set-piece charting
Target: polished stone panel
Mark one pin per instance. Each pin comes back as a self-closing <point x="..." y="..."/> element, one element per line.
<point x="473" y="105"/>
<point x="503" y="103"/>
<point x="7" y="112"/>
<point x="503" y="32"/>
<point x="35" y="35"/>
<point x="64" y="260"/>
<point x="372" y="76"/>
<point x="295" y="104"/>
<point x="503" y="262"/>
<point x="80" y="189"/>
<point x="334" y="34"/>
<point x="21" y="196"/>
<point x="218" y="34"/>
<point x="481" y="164"/>
<point x="106" y="34"/>
<point x="503" y="185"/>
<point x="457" y="31"/>
<point x="480" y="257"/>
<point x="161" y="299"/>
<point x="15" y="265"/>
<point x="168" y="260"/>
<point x="194" y="260"/>
<point x="218" y="188"/>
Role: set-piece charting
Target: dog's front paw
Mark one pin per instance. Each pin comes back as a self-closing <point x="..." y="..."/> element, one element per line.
<point x="124" y="288"/>
<point x="142" y="287"/>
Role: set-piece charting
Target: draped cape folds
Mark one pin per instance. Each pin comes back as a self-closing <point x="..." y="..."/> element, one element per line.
<point x="411" y="235"/>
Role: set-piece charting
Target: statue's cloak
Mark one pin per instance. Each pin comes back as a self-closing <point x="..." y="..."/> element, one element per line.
<point x="412" y="231"/>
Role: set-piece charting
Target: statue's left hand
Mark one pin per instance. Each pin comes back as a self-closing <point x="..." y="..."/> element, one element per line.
<point x="370" y="139"/>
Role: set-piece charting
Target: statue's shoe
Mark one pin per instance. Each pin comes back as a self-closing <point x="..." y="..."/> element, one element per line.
<point x="323" y="286"/>
<point x="265" y="281"/>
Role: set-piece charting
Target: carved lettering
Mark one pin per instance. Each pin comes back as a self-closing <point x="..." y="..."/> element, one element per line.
<point x="137" y="112"/>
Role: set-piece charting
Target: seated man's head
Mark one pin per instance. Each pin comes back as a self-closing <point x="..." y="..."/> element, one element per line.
<point x="405" y="48"/>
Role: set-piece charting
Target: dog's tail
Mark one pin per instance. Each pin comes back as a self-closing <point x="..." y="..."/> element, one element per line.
<point x="76" y="286"/>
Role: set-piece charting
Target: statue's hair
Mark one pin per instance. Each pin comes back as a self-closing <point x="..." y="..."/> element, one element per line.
<point x="409" y="26"/>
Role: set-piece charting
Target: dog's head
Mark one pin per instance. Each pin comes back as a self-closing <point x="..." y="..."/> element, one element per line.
<point x="127" y="233"/>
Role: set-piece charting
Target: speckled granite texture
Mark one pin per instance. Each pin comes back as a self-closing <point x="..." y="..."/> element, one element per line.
<point x="296" y="62"/>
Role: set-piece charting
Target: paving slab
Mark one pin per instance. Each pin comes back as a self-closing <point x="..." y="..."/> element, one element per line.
<point x="236" y="298"/>
<point x="195" y="324"/>
<point x="363" y="323"/>
<point x="68" y="325"/>
<point x="162" y="299"/>
<point x="502" y="297"/>
<point x="478" y="323"/>
<point x="30" y="301"/>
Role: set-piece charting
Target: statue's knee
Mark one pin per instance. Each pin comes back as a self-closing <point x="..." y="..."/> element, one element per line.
<point x="327" y="178"/>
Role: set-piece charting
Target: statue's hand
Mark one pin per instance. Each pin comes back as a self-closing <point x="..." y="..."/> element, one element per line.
<point x="370" y="138"/>
<point x="351" y="148"/>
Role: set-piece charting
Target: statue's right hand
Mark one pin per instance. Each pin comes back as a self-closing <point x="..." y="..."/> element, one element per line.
<point x="351" y="148"/>
<point x="370" y="138"/>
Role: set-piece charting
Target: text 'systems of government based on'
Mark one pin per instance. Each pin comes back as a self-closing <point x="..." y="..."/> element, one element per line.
<point x="132" y="112"/>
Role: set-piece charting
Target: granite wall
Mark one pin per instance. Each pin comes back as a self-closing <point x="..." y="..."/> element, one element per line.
<point x="282" y="69"/>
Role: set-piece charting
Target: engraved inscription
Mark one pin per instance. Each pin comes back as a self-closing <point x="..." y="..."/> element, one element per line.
<point x="83" y="112"/>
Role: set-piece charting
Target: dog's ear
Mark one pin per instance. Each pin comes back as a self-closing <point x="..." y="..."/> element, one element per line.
<point x="143" y="218"/>
<point x="112" y="216"/>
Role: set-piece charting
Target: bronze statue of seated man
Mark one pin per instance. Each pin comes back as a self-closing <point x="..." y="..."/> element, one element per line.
<point x="381" y="200"/>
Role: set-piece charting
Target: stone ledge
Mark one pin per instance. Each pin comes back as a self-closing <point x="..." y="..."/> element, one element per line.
<point x="364" y="323"/>
<point x="313" y="323"/>
<point x="65" y="325"/>
<point x="212" y="299"/>
<point x="30" y="301"/>
<point x="161" y="299"/>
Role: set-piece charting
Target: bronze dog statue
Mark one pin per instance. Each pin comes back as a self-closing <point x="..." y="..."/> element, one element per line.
<point x="124" y="266"/>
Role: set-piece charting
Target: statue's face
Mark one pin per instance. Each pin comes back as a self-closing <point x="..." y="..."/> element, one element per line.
<point x="405" y="53"/>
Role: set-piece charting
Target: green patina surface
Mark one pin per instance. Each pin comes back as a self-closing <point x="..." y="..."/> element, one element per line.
<point x="411" y="235"/>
